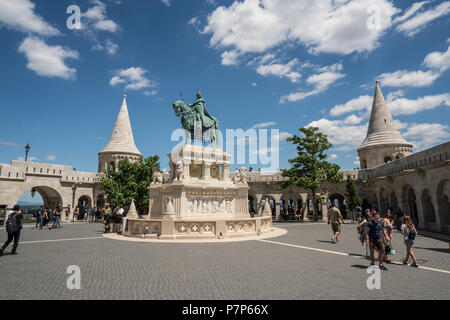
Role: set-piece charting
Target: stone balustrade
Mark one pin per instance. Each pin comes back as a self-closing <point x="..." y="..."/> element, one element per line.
<point x="433" y="156"/>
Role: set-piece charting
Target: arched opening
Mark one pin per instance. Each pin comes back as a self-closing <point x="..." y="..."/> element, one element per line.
<point x="32" y="199"/>
<point x="84" y="202"/>
<point x="387" y="159"/>
<point x="339" y="200"/>
<point x="363" y="164"/>
<point x="394" y="202"/>
<point x="411" y="205"/>
<point x="365" y="204"/>
<point x="251" y="205"/>
<point x="112" y="165"/>
<point x="444" y="205"/>
<point x="427" y="207"/>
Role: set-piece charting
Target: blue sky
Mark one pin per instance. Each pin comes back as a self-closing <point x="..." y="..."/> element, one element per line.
<point x="260" y="63"/>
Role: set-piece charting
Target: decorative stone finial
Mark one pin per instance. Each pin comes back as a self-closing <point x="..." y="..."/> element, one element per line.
<point x="267" y="211"/>
<point x="132" y="213"/>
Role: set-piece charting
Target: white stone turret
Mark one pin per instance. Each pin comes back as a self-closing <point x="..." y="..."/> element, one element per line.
<point x="121" y="143"/>
<point x="383" y="142"/>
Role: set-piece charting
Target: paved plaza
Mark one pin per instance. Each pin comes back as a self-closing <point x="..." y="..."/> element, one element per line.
<point x="301" y="264"/>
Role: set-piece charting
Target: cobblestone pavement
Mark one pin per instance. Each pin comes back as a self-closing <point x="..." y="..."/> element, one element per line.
<point x="273" y="269"/>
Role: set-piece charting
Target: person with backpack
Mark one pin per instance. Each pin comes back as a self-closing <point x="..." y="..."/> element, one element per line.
<point x="362" y="228"/>
<point x="39" y="216"/>
<point x="13" y="227"/>
<point x="409" y="233"/>
<point x="374" y="234"/>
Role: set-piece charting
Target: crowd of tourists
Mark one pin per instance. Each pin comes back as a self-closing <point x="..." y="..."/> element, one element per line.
<point x="375" y="232"/>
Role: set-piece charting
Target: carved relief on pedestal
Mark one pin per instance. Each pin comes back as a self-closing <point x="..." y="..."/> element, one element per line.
<point x="197" y="205"/>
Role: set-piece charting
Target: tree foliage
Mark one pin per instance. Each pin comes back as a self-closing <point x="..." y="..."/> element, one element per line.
<point x="309" y="169"/>
<point x="130" y="181"/>
<point x="353" y="199"/>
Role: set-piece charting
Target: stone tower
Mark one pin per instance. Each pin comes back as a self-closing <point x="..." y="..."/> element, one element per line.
<point x="383" y="142"/>
<point x="121" y="143"/>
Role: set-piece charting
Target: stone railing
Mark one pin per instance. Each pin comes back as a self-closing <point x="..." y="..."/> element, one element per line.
<point x="432" y="156"/>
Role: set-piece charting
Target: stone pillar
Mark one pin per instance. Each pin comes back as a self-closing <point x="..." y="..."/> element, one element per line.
<point x="226" y="172"/>
<point x="304" y="197"/>
<point x="258" y="202"/>
<point x="436" y="212"/>
<point x="277" y="210"/>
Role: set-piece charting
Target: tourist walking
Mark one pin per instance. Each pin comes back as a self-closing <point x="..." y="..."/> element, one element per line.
<point x="362" y="228"/>
<point x="13" y="227"/>
<point x="387" y="235"/>
<point x="68" y="213"/>
<point x="374" y="235"/>
<point x="76" y="213"/>
<point x="117" y="218"/>
<point x="107" y="219"/>
<point x="57" y="219"/>
<point x="45" y="218"/>
<point x="333" y="217"/>
<point x="409" y="233"/>
<point x="39" y="216"/>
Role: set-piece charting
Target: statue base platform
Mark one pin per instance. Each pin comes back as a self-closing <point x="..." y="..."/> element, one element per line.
<point x="199" y="200"/>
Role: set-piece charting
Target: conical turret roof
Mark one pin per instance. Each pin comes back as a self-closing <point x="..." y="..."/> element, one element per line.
<point x="121" y="140"/>
<point x="382" y="130"/>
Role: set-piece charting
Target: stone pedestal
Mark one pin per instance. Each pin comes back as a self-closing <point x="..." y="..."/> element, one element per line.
<point x="199" y="200"/>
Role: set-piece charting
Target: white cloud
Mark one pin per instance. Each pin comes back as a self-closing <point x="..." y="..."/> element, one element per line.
<point x="150" y="93"/>
<point x="396" y="103"/>
<point x="332" y="157"/>
<point x="284" y="135"/>
<point x="51" y="157"/>
<point x="166" y="2"/>
<point x="133" y="77"/>
<point x="419" y="21"/>
<point x="254" y="84"/>
<point x="322" y="26"/>
<point x="264" y="125"/>
<point x="48" y="61"/>
<point x="95" y="17"/>
<point x="408" y="106"/>
<point x="410" y="11"/>
<point x="28" y="159"/>
<point x="356" y="104"/>
<point x="321" y="83"/>
<point x="280" y="70"/>
<point x="20" y="15"/>
<point x="405" y="78"/>
<point x="9" y="144"/>
<point x="229" y="58"/>
<point x="109" y="47"/>
<point x="438" y="60"/>
<point x="425" y="135"/>
<point x="344" y="137"/>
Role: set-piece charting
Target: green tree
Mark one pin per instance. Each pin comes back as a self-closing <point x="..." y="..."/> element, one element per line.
<point x="130" y="181"/>
<point x="309" y="168"/>
<point x="353" y="199"/>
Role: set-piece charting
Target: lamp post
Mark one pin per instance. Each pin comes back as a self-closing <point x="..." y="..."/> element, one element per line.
<point x="27" y="149"/>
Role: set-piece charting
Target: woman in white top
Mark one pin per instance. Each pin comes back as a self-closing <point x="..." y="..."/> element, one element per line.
<point x="409" y="233"/>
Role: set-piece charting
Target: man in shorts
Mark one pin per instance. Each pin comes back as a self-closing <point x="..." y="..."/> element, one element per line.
<point x="333" y="217"/>
<point x="374" y="235"/>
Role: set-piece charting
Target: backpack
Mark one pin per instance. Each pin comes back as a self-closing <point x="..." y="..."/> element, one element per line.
<point x="11" y="225"/>
<point x="412" y="234"/>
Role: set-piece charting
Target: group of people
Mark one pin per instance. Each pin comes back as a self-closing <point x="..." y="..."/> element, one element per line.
<point x="113" y="217"/>
<point x="376" y="233"/>
<point x="87" y="213"/>
<point x="44" y="217"/>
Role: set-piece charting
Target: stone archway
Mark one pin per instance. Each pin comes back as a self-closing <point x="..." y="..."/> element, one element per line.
<point x="428" y="207"/>
<point x="251" y="204"/>
<point x="83" y="203"/>
<point x="443" y="197"/>
<point x="410" y="204"/>
<point x="51" y="198"/>
<point x="339" y="199"/>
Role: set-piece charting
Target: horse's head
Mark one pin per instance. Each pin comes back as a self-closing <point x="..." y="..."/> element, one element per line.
<point x="177" y="108"/>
